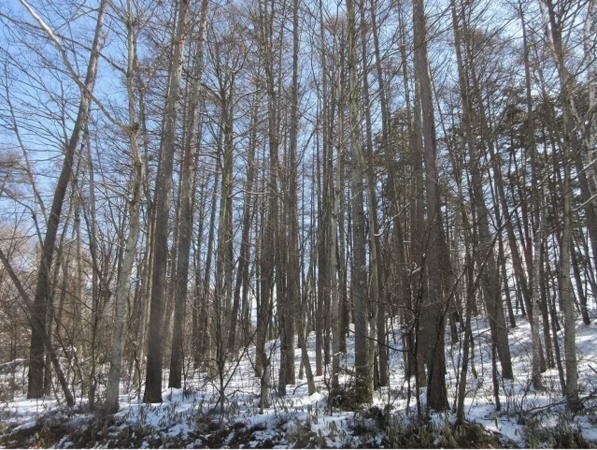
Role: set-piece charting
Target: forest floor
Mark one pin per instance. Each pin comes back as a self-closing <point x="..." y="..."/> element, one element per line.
<point x="194" y="418"/>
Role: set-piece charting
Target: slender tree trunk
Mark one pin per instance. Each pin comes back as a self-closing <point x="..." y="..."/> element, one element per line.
<point x="223" y="284"/>
<point x="567" y="297"/>
<point x="70" y="400"/>
<point x="398" y="236"/>
<point x="187" y="199"/>
<point x="413" y="340"/>
<point x="269" y="244"/>
<point x="549" y="345"/>
<point x="435" y="304"/>
<point x="128" y="257"/>
<point x="363" y="368"/>
<point x="460" y="413"/>
<point x="339" y="342"/>
<point x="536" y="301"/>
<point x="197" y="298"/>
<point x="582" y="300"/>
<point x="35" y="388"/>
<point x="377" y="320"/>
<point x="242" y="277"/>
<point x="294" y="275"/>
<point x="485" y="250"/>
<point x="153" y="382"/>
<point x="570" y="146"/>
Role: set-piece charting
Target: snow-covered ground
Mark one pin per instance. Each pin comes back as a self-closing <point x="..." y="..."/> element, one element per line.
<point x="199" y="417"/>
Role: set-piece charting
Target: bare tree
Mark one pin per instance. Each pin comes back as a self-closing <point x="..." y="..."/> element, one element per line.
<point x="128" y="256"/>
<point x="435" y="305"/>
<point x="363" y="367"/>
<point x="153" y="383"/>
<point x="187" y="204"/>
<point x="40" y="301"/>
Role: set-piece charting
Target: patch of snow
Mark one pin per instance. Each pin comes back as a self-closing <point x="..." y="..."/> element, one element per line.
<point x="184" y="412"/>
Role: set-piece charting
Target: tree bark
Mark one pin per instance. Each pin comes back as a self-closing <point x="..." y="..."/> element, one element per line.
<point x="35" y="388"/>
<point x="363" y="368"/>
<point x="187" y="199"/>
<point x="435" y="303"/>
<point x="570" y="146"/>
<point x="242" y="277"/>
<point x="485" y="249"/>
<point x="128" y="257"/>
<point x="153" y="381"/>
<point x="294" y="275"/>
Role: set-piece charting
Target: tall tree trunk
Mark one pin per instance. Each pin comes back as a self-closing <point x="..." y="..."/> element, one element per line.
<point x="363" y="368"/>
<point x="397" y="236"/>
<point x="335" y="264"/>
<point x="569" y="146"/>
<point x="566" y="294"/>
<point x="485" y="249"/>
<point x="377" y="319"/>
<point x="269" y="236"/>
<point x="242" y="277"/>
<point x="535" y="302"/>
<point x="206" y="313"/>
<point x="35" y="387"/>
<point x="414" y="339"/>
<point x="324" y="234"/>
<point x="435" y="303"/>
<point x="187" y="199"/>
<point x="224" y="264"/>
<point x="197" y="298"/>
<point x="153" y="382"/>
<point x="294" y="275"/>
<point x="128" y="257"/>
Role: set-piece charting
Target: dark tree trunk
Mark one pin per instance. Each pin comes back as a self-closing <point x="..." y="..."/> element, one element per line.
<point x="153" y="382"/>
<point x="35" y="388"/>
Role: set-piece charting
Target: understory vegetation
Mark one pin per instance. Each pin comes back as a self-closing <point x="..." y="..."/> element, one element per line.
<point x="198" y="416"/>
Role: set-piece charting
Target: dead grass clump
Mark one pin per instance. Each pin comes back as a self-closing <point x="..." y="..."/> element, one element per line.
<point x="468" y="435"/>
